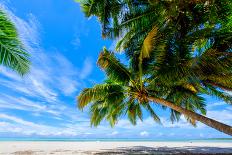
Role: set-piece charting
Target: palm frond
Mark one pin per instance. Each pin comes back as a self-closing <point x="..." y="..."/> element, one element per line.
<point x="175" y="116"/>
<point x="113" y="68"/>
<point x="148" y="43"/>
<point x="152" y="113"/>
<point x="12" y="51"/>
<point x="111" y="92"/>
<point x="212" y="91"/>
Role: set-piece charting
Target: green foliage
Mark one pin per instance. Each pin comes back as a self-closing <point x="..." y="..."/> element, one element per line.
<point x="12" y="52"/>
<point x="108" y="91"/>
<point x="114" y="69"/>
<point x="124" y="94"/>
<point x="177" y="50"/>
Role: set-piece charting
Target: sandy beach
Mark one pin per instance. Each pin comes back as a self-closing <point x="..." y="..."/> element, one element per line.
<point x="108" y="148"/>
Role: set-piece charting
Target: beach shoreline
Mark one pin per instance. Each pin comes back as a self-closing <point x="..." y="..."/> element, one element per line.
<point x="98" y="147"/>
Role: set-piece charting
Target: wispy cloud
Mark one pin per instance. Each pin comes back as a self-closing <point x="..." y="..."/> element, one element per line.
<point x="87" y="68"/>
<point x="51" y="73"/>
<point x="150" y="123"/>
<point x="76" y="42"/>
<point x="144" y="134"/>
<point x="52" y="77"/>
<point x="224" y="116"/>
<point x="23" y="104"/>
<point x="229" y="92"/>
<point x="114" y="133"/>
<point x="215" y="104"/>
<point x="23" y="127"/>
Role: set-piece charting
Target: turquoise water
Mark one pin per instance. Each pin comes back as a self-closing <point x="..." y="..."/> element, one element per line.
<point x="229" y="140"/>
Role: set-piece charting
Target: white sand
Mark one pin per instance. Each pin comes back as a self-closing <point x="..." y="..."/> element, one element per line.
<point x="72" y="148"/>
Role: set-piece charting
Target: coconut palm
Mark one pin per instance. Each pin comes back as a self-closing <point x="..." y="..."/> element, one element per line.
<point x="183" y="47"/>
<point x="128" y="90"/>
<point x="12" y="52"/>
<point x="187" y="29"/>
<point x="174" y="42"/>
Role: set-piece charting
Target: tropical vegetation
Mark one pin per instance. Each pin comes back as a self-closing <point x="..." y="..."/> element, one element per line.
<point x="178" y="52"/>
<point x="12" y="51"/>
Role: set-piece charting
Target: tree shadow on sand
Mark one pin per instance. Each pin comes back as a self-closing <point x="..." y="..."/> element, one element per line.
<point x="189" y="150"/>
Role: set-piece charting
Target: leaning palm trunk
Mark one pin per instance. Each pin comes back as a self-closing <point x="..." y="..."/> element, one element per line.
<point x="210" y="122"/>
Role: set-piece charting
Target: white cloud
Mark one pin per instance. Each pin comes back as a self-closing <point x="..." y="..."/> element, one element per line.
<point x="24" y="127"/>
<point x="76" y="42"/>
<point x="160" y="134"/>
<point x="202" y="135"/>
<point x="28" y="31"/>
<point x="52" y="77"/>
<point x="114" y="133"/>
<point x="216" y="104"/>
<point x="224" y="116"/>
<point x="150" y="123"/>
<point x="144" y="133"/>
<point x="229" y="92"/>
<point x="229" y="108"/>
<point x="9" y="73"/>
<point x="87" y="69"/>
<point x="51" y="73"/>
<point x="20" y="103"/>
<point x="16" y="125"/>
<point x="182" y="123"/>
<point x="18" y="120"/>
<point x="88" y="133"/>
<point x="56" y="75"/>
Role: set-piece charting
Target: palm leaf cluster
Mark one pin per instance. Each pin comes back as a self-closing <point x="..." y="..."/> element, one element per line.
<point x="177" y="32"/>
<point x="12" y="52"/>
<point x="123" y="93"/>
<point x="177" y="50"/>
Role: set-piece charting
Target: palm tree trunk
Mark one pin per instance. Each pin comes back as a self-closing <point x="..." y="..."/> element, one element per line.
<point x="208" y="121"/>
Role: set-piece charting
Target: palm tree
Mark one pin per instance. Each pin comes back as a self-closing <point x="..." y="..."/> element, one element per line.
<point x="12" y="52"/>
<point x="187" y="29"/>
<point x="177" y="43"/>
<point x="128" y="89"/>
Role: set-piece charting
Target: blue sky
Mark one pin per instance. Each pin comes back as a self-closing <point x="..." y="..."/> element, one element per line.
<point x="64" y="46"/>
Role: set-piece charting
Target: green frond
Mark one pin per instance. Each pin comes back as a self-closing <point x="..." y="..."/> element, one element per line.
<point x="98" y="112"/>
<point x="175" y="116"/>
<point x="187" y="99"/>
<point x="103" y="110"/>
<point x="212" y="91"/>
<point x="116" y="112"/>
<point x="148" y="43"/>
<point x="191" y="121"/>
<point x="12" y="51"/>
<point x="177" y="51"/>
<point x="114" y="69"/>
<point x="152" y="113"/>
<point x="103" y="10"/>
<point x="223" y="82"/>
<point x="106" y="92"/>
<point x="132" y="113"/>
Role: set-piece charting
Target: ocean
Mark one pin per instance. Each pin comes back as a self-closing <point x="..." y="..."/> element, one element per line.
<point x="229" y="140"/>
